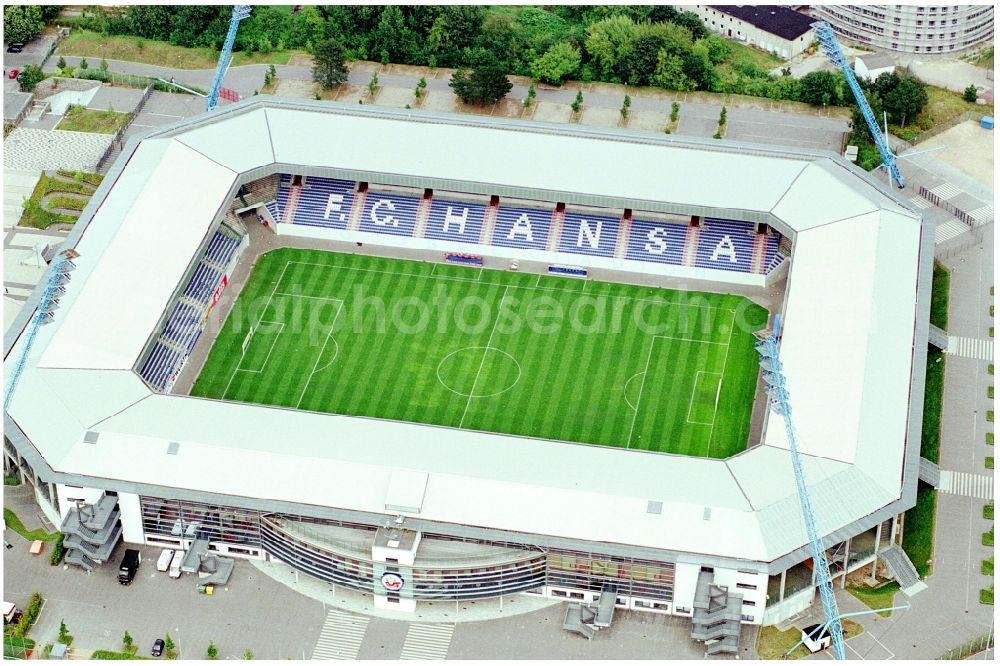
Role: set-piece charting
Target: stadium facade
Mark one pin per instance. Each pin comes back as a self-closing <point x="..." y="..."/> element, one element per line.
<point x="409" y="512"/>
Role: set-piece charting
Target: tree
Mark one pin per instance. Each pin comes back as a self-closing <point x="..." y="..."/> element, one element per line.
<point x="64" y="636"/>
<point x="670" y="74"/>
<point x="970" y="94"/>
<point x="819" y="88"/>
<point x="22" y="23"/>
<point x="722" y="118"/>
<point x="104" y="65"/>
<point x="698" y="67"/>
<point x="392" y="37"/>
<point x="212" y="652"/>
<point x="640" y="65"/>
<point x="626" y="103"/>
<point x="906" y="101"/>
<point x="675" y="110"/>
<point x="168" y="644"/>
<point x="373" y="84"/>
<point x="718" y="48"/>
<point x="30" y="76"/>
<point x="329" y="64"/>
<point x="559" y="62"/>
<point x="248" y="654"/>
<point x="127" y="639"/>
<point x="84" y="65"/>
<point x="609" y="42"/>
<point x="530" y="99"/>
<point x="61" y="64"/>
<point x="578" y="102"/>
<point x="421" y="87"/>
<point x="484" y="85"/>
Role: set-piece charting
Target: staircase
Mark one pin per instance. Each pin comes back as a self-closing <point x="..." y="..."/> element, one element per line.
<point x="357" y="209"/>
<point x="555" y="229"/>
<point x="38" y="109"/>
<point x="904" y="571"/>
<point x="929" y="473"/>
<point x="759" y="254"/>
<point x="293" y="202"/>
<point x="716" y="617"/>
<point x="937" y="338"/>
<point x="91" y="532"/>
<point x="489" y="221"/>
<point x="691" y="245"/>
<point x="423" y="212"/>
<point x="624" y="231"/>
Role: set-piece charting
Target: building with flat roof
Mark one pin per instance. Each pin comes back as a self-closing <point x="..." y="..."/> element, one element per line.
<point x="920" y="29"/>
<point x="773" y="28"/>
<point x="871" y="65"/>
<point x="410" y="512"/>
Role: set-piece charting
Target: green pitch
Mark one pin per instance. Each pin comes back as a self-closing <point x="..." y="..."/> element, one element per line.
<point x="556" y="358"/>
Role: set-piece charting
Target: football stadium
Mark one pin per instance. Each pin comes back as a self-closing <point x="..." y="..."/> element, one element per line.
<point x="440" y="357"/>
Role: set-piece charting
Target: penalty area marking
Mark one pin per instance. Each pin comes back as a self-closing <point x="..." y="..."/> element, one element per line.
<point x="625" y="390"/>
<point x="274" y="340"/>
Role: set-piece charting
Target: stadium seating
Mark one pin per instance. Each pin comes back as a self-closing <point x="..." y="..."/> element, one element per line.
<point x="315" y="199"/>
<point x="659" y="242"/>
<point x="283" y="190"/>
<point x="203" y="283"/>
<point x="183" y="326"/>
<point x="160" y="366"/>
<point x="385" y="213"/>
<point x="775" y="260"/>
<point x="771" y="257"/>
<point x="274" y="210"/>
<point x="221" y="248"/>
<point x="725" y="245"/>
<point x="589" y="234"/>
<point x="464" y="221"/>
<point x="524" y="228"/>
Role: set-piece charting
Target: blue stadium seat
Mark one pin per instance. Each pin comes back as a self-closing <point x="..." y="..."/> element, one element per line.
<point x="203" y="283"/>
<point x="221" y="248"/>
<point x="394" y="214"/>
<point x="725" y="245"/>
<point x="589" y="234"/>
<point x="459" y="221"/>
<point x="183" y="326"/>
<point x="325" y="202"/>
<point x="524" y="228"/>
<point x="160" y="366"/>
<point x="658" y="242"/>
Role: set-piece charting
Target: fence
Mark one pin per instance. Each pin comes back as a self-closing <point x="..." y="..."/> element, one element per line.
<point x="117" y="139"/>
<point x="961" y="243"/>
<point x="972" y="647"/>
<point x="934" y="131"/>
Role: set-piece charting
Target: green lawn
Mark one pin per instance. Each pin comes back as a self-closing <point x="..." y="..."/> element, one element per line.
<point x="773" y="644"/>
<point x="14" y="523"/>
<point x="79" y="119"/>
<point x="95" y="46"/>
<point x="918" y="530"/>
<point x="876" y="598"/>
<point x="930" y="439"/>
<point x="490" y="350"/>
<point x="939" y="296"/>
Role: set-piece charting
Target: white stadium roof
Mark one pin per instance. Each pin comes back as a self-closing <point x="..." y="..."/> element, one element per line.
<point x="847" y="347"/>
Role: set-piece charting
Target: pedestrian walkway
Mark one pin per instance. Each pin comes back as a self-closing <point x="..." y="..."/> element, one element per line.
<point x="948" y="229"/>
<point x="966" y="484"/>
<point x="970" y="347"/>
<point x="341" y="636"/>
<point x="427" y="641"/>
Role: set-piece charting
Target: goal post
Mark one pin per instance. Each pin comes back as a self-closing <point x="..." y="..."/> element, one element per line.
<point x="246" y="341"/>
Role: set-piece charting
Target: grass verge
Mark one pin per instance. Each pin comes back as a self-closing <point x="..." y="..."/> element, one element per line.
<point x="918" y="531"/>
<point x="930" y="439"/>
<point x="94" y="179"/>
<point x="987" y="567"/>
<point x="773" y="644"/>
<point x="112" y="655"/>
<point x="79" y="119"/>
<point x="988" y="511"/>
<point x="940" y="285"/>
<point x="944" y="106"/>
<point x="988" y="538"/>
<point x="876" y="597"/>
<point x="14" y="523"/>
<point x="136" y="49"/>
<point x="989" y="462"/>
<point x="986" y="596"/>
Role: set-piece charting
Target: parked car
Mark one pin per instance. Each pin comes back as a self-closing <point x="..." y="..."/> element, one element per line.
<point x="157" y="647"/>
<point x="13" y="73"/>
<point x="16" y="47"/>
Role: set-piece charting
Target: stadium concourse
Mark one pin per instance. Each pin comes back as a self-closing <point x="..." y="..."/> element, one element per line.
<point x="457" y="486"/>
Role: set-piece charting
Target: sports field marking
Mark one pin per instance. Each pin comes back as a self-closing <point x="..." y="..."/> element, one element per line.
<point x="638" y="400"/>
<point x="725" y="362"/>
<point x="329" y="333"/>
<point x="479" y="274"/>
<point x="486" y="350"/>
<point x="240" y="368"/>
<point x="472" y="393"/>
<point x="625" y="390"/>
<point x="518" y="286"/>
<point x="695" y="398"/>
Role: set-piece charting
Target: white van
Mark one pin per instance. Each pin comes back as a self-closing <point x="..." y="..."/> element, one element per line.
<point x="163" y="563"/>
<point x="175" y="564"/>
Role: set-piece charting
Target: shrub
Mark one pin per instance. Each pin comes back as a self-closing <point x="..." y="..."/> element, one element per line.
<point x="31" y="612"/>
<point x="988" y="511"/>
<point x="83" y="64"/>
<point x="675" y="110"/>
<point x="988" y="538"/>
<point x="212" y="652"/>
<point x="57" y="553"/>
<point x="970" y="94"/>
<point x="61" y="63"/>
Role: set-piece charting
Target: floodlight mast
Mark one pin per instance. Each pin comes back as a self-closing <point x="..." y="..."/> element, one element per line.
<point x="240" y="12"/>
<point x="777" y="391"/>
<point x="59" y="273"/>
<point x="828" y="42"/>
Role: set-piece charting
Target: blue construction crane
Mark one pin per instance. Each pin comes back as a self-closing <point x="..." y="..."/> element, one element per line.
<point x="240" y="12"/>
<point x="59" y="275"/>
<point x="828" y="42"/>
<point x="778" y="393"/>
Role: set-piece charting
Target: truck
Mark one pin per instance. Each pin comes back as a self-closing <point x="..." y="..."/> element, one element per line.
<point x="163" y="563"/>
<point x="175" y="564"/>
<point x="129" y="565"/>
